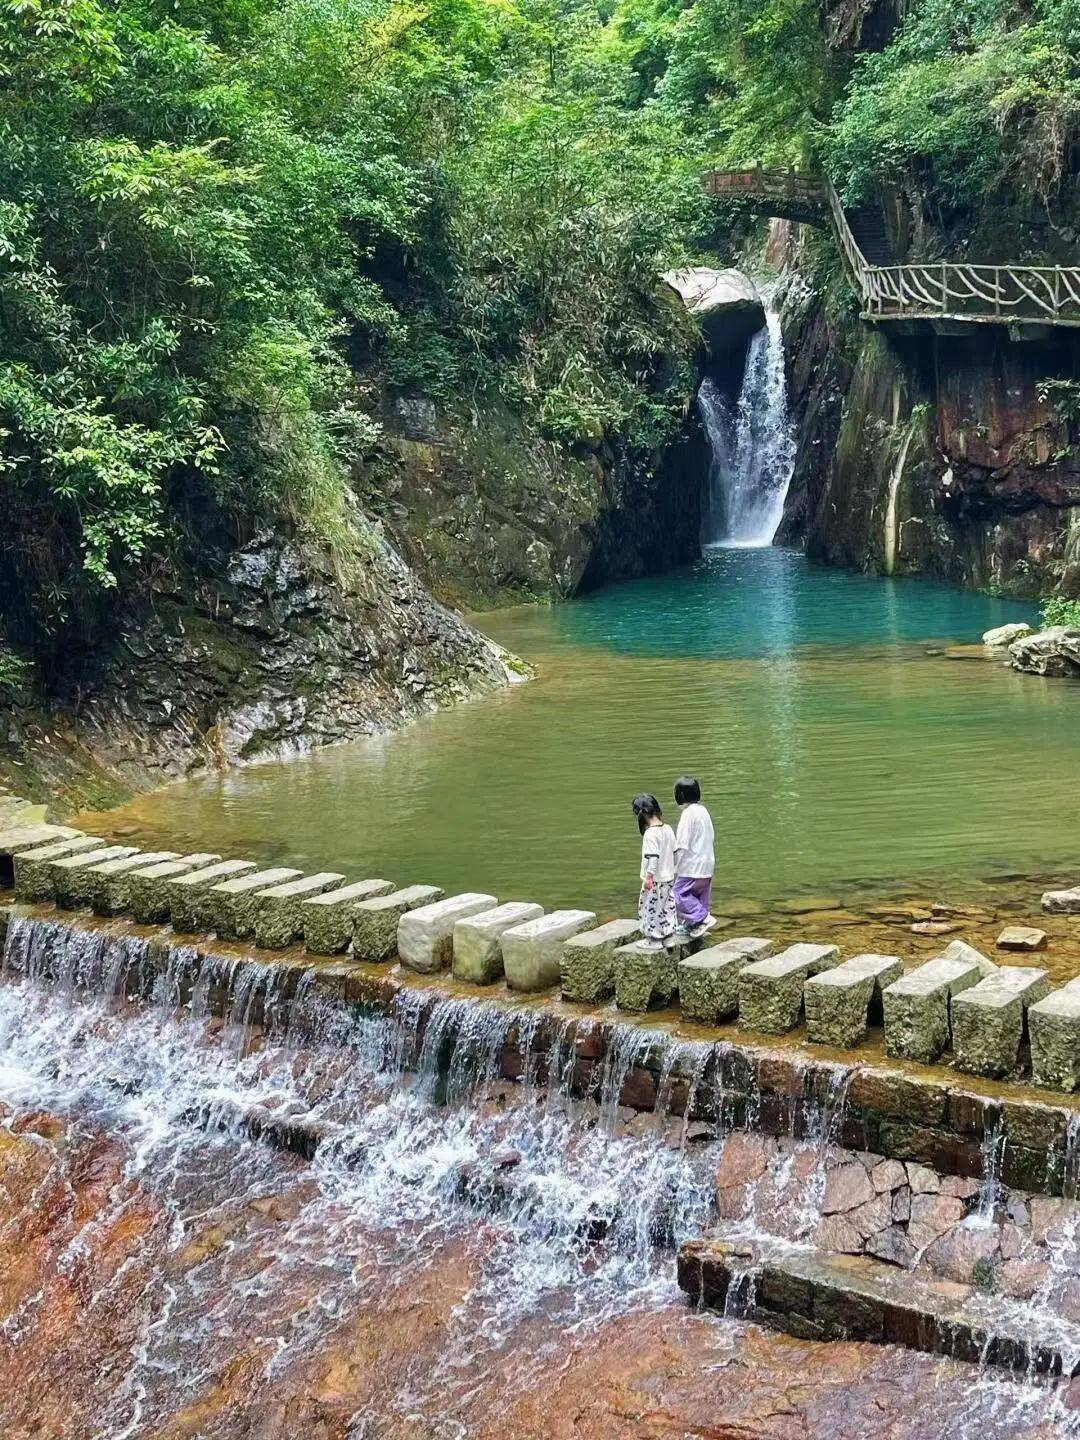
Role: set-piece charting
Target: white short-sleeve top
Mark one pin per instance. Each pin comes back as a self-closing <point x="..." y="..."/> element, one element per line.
<point x="658" y="845"/>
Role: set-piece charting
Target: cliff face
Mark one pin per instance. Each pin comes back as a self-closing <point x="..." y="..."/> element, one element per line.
<point x="265" y="649"/>
<point x="950" y="454"/>
<point x="489" y="514"/>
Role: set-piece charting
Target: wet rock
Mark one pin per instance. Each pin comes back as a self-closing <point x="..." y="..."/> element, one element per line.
<point x="1021" y="1279"/>
<point x="935" y="927"/>
<point x="961" y="1250"/>
<point x="1054" y="651"/>
<point x="922" y="1180"/>
<point x="846" y="1188"/>
<point x="1062" y="902"/>
<point x="837" y="1233"/>
<point x="745" y="1159"/>
<point x="1021" y="937"/>
<point x="888" y="1175"/>
<point x="931" y="1216"/>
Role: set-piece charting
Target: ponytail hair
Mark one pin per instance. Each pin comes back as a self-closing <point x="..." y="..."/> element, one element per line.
<point x="646" y="807"/>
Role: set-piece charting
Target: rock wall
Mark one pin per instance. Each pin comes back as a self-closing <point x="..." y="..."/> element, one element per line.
<point x="949" y="454"/>
<point x="267" y="649"/>
<point x="490" y="513"/>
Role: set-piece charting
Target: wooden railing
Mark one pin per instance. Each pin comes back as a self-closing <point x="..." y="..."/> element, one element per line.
<point x="952" y="290"/>
<point x="939" y="290"/>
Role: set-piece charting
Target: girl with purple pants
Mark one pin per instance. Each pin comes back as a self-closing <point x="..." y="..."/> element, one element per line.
<point x="695" y="860"/>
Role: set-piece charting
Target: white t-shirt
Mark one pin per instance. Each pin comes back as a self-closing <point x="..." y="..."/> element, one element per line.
<point x="658" y="845"/>
<point x="695" y="858"/>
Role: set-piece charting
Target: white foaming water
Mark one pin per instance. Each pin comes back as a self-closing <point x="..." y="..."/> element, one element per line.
<point x="753" y="449"/>
<point x="576" y="1229"/>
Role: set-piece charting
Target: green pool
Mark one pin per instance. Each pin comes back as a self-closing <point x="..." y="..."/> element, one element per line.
<point x="836" y="751"/>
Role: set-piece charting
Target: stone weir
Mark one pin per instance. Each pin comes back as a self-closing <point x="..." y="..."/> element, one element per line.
<point x="858" y="1185"/>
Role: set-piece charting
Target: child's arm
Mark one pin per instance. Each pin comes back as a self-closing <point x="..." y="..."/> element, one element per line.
<point x="650" y="856"/>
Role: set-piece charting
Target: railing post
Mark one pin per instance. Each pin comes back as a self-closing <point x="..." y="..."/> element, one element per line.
<point x="944" y="289"/>
<point x="997" y="290"/>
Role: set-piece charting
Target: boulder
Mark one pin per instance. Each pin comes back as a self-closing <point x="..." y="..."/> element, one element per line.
<point x="726" y="303"/>
<point x="1004" y="635"/>
<point x="1055" y="651"/>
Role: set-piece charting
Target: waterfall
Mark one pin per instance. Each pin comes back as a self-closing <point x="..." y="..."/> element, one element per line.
<point x="752" y="449"/>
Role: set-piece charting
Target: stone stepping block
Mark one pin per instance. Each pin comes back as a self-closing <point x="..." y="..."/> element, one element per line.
<point x="426" y="934"/>
<point x="988" y="1019"/>
<point x="771" y="990"/>
<point x="184" y="891"/>
<point x="375" y="921"/>
<point x="917" y="1007"/>
<point x="107" y="884"/>
<point x="478" y="956"/>
<point x="1022" y="937"/>
<point x="72" y="878"/>
<point x="961" y="950"/>
<point x="587" y="963"/>
<point x="838" y="1001"/>
<point x="279" y="911"/>
<point x="532" y="953"/>
<point x="709" y="980"/>
<point x="229" y="909"/>
<point x="33" y="877"/>
<point x="17" y="838"/>
<point x="1062" y="902"/>
<point x="1054" y="1027"/>
<point x="327" y="920"/>
<point x="645" y="977"/>
<point x="148" y="892"/>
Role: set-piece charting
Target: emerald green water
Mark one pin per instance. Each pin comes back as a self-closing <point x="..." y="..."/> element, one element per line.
<point x="834" y="752"/>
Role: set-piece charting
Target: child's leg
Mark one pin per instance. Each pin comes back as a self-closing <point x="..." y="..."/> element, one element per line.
<point x="692" y="898"/>
<point x="647" y="913"/>
<point x="667" y="919"/>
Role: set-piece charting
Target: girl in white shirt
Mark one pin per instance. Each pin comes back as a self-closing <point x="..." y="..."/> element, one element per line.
<point x="656" y="904"/>
<point x="695" y="860"/>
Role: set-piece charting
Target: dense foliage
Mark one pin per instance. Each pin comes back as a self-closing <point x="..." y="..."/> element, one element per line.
<point x="226" y="226"/>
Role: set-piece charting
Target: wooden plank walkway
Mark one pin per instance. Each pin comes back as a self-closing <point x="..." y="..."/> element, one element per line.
<point x="1015" y="294"/>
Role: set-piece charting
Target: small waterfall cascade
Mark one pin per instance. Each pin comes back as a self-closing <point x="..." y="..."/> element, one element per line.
<point x="752" y="445"/>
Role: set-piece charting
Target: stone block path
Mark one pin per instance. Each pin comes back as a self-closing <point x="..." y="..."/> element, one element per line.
<point x="959" y="1005"/>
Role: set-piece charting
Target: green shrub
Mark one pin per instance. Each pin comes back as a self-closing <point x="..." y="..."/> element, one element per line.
<point x="1057" y="610"/>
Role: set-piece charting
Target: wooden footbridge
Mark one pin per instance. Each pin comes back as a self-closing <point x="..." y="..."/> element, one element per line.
<point x="944" y="290"/>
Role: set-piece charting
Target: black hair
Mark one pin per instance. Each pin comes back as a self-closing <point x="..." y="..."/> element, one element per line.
<point x="687" y="790"/>
<point x="646" y="808"/>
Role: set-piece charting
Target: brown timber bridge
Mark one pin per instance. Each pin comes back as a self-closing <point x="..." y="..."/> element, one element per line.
<point x="1015" y="294"/>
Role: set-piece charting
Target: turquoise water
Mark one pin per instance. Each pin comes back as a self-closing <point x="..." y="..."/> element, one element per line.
<point x="836" y="752"/>
<point x="768" y="603"/>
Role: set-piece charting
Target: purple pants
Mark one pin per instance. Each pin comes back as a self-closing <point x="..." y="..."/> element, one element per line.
<point x="693" y="897"/>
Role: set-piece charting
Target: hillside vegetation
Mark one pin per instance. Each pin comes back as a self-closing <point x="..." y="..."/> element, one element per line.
<point x="227" y="227"/>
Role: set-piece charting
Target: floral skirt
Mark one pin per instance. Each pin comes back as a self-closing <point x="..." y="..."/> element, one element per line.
<point x="656" y="911"/>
